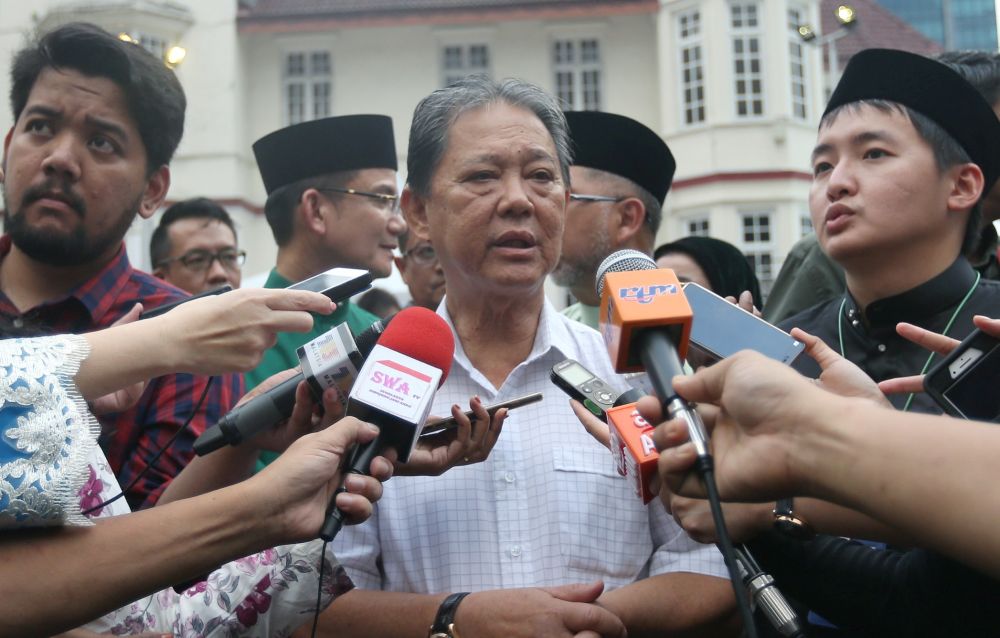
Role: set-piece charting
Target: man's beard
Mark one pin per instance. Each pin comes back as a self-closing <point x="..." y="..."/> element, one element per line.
<point x="583" y="269"/>
<point x="72" y="248"/>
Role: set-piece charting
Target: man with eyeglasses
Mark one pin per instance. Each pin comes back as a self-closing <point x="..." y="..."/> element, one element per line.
<point x="420" y="269"/>
<point x="620" y="176"/>
<point x="194" y="247"/>
<point x="332" y="201"/>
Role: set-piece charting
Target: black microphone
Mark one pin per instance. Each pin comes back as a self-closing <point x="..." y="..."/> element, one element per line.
<point x="331" y="359"/>
<point x="395" y="390"/>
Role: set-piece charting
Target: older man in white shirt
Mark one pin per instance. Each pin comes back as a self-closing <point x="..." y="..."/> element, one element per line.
<point x="533" y="530"/>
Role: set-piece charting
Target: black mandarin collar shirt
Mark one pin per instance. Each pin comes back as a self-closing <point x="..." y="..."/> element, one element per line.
<point x="875" y="346"/>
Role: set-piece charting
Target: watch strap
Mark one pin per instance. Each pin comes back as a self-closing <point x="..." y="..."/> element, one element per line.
<point x="790" y="524"/>
<point x="444" y="622"/>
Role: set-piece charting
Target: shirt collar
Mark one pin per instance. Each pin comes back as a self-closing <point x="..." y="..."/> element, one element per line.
<point x="932" y="297"/>
<point x="98" y="293"/>
<point x="552" y="334"/>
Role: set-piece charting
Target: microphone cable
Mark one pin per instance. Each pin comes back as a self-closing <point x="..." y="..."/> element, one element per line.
<point x="156" y="457"/>
<point x="705" y="467"/>
<point x="319" y="588"/>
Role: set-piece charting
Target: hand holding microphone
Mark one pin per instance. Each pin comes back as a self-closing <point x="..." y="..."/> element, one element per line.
<point x="330" y="360"/>
<point x="395" y="389"/>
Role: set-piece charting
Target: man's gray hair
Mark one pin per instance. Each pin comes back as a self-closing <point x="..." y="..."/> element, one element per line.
<point x="434" y="115"/>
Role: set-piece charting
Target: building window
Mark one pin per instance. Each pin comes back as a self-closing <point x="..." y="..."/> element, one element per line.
<point x="747" y="75"/>
<point x="797" y="60"/>
<point x="155" y="45"/>
<point x="758" y="248"/>
<point x="692" y="70"/>
<point x="698" y="227"/>
<point x="459" y="61"/>
<point x="307" y="86"/>
<point x="577" y="65"/>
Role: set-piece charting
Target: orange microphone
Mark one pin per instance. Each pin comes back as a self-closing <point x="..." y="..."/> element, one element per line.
<point x="632" y="444"/>
<point x="646" y="323"/>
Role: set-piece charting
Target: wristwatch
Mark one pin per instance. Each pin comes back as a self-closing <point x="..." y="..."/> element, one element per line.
<point x="444" y="622"/>
<point x="788" y="523"/>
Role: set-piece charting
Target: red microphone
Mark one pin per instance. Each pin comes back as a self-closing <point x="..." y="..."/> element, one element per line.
<point x="395" y="389"/>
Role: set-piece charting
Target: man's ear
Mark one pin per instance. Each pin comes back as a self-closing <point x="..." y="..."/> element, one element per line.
<point x="967" y="187"/>
<point x="310" y="212"/>
<point x="156" y="191"/>
<point x="3" y="160"/>
<point x="159" y="273"/>
<point x="415" y="212"/>
<point x="631" y="216"/>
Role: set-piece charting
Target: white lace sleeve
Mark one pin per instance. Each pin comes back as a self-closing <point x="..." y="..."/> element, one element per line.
<point x="46" y="432"/>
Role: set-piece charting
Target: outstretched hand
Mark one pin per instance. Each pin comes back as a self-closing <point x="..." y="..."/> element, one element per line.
<point x="839" y="375"/>
<point x="471" y="441"/>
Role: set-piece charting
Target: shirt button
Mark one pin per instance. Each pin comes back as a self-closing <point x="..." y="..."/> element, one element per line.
<point x="515" y="551"/>
<point x="881" y="347"/>
<point x="509" y="477"/>
<point x="18" y="322"/>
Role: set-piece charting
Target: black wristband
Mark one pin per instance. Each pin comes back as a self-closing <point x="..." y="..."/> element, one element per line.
<point x="444" y="622"/>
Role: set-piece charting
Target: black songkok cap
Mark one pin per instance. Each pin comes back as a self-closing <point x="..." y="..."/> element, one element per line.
<point x="931" y="89"/>
<point x="620" y="145"/>
<point x="322" y="147"/>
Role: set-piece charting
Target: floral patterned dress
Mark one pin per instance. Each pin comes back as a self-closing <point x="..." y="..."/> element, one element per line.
<point x="51" y="470"/>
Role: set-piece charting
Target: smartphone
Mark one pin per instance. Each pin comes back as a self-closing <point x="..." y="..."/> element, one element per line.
<point x="584" y="386"/>
<point x="339" y="284"/>
<point x="159" y="310"/>
<point x="720" y="329"/>
<point x="964" y="382"/>
<point x="448" y="423"/>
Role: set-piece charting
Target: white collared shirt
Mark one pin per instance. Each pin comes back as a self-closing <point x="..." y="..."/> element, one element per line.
<point x="546" y="508"/>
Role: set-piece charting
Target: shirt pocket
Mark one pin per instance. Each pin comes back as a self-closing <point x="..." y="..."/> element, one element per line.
<point x="604" y="528"/>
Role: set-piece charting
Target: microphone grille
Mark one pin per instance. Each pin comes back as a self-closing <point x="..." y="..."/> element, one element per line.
<point x="622" y="261"/>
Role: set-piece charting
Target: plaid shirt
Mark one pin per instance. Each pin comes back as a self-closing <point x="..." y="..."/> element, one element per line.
<point x="130" y="439"/>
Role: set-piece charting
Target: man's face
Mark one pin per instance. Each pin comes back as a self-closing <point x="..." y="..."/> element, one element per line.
<point x="76" y="171"/>
<point x="875" y="186"/>
<point x="203" y="256"/>
<point x="587" y="239"/>
<point x="366" y="230"/>
<point x="422" y="272"/>
<point x="497" y="203"/>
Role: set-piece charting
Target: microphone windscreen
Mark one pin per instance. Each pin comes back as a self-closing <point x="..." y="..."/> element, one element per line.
<point x="622" y="261"/>
<point x="423" y="335"/>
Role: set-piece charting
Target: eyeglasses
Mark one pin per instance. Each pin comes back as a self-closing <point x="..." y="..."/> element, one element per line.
<point x="422" y="255"/>
<point x="201" y="260"/>
<point x="577" y="197"/>
<point x="386" y="202"/>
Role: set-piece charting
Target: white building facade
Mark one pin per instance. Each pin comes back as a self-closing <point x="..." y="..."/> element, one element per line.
<point x="728" y="84"/>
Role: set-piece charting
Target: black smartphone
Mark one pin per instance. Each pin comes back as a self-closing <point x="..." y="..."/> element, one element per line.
<point x="584" y="386"/>
<point x="437" y="427"/>
<point x="964" y="382"/>
<point x="339" y="284"/>
<point x="159" y="310"/>
<point x="720" y="329"/>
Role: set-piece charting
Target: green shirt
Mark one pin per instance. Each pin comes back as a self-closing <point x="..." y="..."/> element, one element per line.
<point x="282" y="355"/>
<point x="587" y="315"/>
